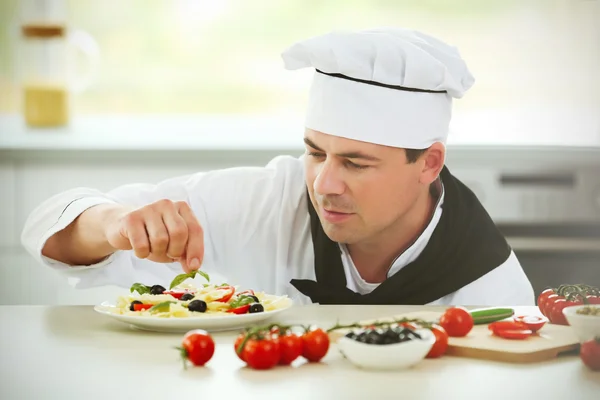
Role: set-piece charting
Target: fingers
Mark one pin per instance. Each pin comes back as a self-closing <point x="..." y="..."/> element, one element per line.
<point x="194" y="251"/>
<point x="134" y="229"/>
<point x="157" y="234"/>
<point x="164" y="232"/>
<point x="177" y="231"/>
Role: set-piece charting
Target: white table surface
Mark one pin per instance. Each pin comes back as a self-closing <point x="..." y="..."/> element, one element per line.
<point x="71" y="352"/>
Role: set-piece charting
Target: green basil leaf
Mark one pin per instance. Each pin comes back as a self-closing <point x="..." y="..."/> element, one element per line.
<point x="179" y="279"/>
<point x="161" y="307"/>
<point x="204" y="275"/>
<point x="140" y="288"/>
<point x="241" y="301"/>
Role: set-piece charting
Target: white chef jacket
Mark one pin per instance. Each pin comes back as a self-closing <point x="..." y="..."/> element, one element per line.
<point x="256" y="234"/>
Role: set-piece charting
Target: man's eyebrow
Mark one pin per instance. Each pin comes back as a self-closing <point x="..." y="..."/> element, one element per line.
<point x="352" y="154"/>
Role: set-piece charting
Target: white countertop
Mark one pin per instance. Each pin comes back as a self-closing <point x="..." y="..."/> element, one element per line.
<point x="72" y="352"/>
<point x="539" y="128"/>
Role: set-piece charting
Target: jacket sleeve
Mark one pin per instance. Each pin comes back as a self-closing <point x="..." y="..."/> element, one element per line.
<point x="237" y="208"/>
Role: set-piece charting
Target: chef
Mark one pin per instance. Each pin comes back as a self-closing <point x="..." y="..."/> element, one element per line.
<point x="369" y="214"/>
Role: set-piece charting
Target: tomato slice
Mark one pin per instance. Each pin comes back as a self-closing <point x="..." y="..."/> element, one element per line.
<point x="507" y="325"/>
<point x="140" y="307"/>
<point x="227" y="296"/>
<point x="534" y="322"/>
<point x="240" y="310"/>
<point x="513" y="334"/>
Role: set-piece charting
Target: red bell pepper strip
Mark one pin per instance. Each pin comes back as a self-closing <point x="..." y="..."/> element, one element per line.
<point x="240" y="310"/>
<point x="140" y="307"/>
<point x="227" y="296"/>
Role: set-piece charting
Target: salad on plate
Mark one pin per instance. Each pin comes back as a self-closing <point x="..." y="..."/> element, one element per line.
<point x="184" y="300"/>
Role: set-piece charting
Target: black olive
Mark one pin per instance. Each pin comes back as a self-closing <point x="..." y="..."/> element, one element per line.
<point x="389" y="340"/>
<point x="374" y="337"/>
<point x="133" y="303"/>
<point x="186" y="297"/>
<point x="351" y="335"/>
<point x="197" y="305"/>
<point x="256" y="307"/>
<point x="157" y="289"/>
<point x="254" y="298"/>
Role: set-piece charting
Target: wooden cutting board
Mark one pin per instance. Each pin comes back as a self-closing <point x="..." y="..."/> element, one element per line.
<point x="547" y="344"/>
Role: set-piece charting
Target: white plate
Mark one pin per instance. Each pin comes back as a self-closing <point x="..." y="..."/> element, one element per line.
<point x="208" y="322"/>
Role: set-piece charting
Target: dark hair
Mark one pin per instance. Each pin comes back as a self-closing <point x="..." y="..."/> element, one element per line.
<point x="412" y="155"/>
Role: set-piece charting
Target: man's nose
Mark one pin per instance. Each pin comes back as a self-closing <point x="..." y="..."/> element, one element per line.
<point x="328" y="180"/>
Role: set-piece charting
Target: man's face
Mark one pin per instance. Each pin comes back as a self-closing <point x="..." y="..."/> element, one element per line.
<point x="360" y="190"/>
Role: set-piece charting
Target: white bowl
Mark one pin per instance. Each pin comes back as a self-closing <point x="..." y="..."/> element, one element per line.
<point x="387" y="356"/>
<point x="585" y="326"/>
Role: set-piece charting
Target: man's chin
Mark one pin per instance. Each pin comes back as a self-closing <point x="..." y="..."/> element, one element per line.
<point x="336" y="233"/>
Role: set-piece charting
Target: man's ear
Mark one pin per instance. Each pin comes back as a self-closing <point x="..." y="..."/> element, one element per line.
<point x="432" y="162"/>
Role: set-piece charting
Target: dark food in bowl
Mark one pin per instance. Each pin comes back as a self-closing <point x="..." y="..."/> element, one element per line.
<point x="384" y="335"/>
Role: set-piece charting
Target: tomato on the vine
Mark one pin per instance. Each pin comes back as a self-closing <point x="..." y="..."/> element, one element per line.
<point x="261" y="353"/>
<point x="556" y="315"/>
<point x="549" y="303"/>
<point x="441" y="342"/>
<point x="197" y="346"/>
<point x="542" y="298"/>
<point x="290" y="348"/>
<point x="456" y="321"/>
<point x="593" y="299"/>
<point x="315" y="344"/>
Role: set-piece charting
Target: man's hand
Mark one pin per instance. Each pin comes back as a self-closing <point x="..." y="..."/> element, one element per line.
<point x="164" y="231"/>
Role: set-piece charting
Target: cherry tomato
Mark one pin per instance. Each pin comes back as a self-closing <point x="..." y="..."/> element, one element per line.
<point x="290" y="348"/>
<point x="590" y="353"/>
<point x="549" y="303"/>
<point x="197" y="346"/>
<point x="513" y="334"/>
<point x="556" y="315"/>
<point x="457" y="322"/>
<point x="440" y="346"/>
<point x="541" y="301"/>
<point x="315" y="344"/>
<point x="140" y="307"/>
<point x="240" y="310"/>
<point x="261" y="353"/>
<point x="593" y="299"/>
<point x="534" y="323"/>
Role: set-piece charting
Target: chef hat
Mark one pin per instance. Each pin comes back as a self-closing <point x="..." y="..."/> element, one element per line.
<point x="389" y="86"/>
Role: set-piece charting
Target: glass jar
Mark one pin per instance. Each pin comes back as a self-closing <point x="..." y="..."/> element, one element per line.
<point x="47" y="63"/>
<point x="44" y="75"/>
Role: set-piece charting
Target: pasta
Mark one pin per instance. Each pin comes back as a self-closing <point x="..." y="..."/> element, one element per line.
<point x="185" y="300"/>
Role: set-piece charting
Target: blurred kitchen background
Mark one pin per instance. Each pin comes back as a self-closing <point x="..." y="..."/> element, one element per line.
<point x="105" y="92"/>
